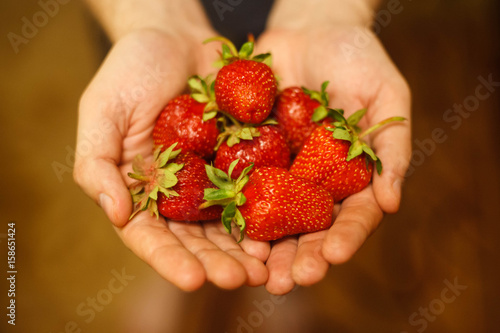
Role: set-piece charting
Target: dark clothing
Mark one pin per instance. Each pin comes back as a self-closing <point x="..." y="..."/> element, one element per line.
<point x="235" y="19"/>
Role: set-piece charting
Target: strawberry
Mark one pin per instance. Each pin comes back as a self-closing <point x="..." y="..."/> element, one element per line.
<point x="244" y="88"/>
<point x="266" y="147"/>
<point x="294" y="110"/>
<point x="181" y="121"/>
<point x="172" y="185"/>
<point x="269" y="204"/>
<point x="340" y="162"/>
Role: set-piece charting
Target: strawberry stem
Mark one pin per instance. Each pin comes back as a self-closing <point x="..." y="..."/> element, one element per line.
<point x="226" y="41"/>
<point x="139" y="177"/>
<point x="380" y="124"/>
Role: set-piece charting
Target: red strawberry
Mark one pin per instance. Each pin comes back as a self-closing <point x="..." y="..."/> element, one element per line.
<point x="269" y="204"/>
<point x="267" y="147"/>
<point x="182" y="121"/>
<point x="175" y="189"/>
<point x="244" y="88"/>
<point x="294" y="111"/>
<point x="342" y="162"/>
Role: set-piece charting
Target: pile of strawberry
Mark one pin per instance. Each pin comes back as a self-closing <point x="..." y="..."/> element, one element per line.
<point x="225" y="152"/>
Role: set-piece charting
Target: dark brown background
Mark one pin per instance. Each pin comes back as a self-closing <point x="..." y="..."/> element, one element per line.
<point x="447" y="228"/>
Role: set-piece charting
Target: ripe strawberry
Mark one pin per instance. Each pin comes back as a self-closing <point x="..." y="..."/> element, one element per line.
<point x="294" y="111"/>
<point x="341" y="163"/>
<point x="174" y="189"/>
<point x="269" y="204"/>
<point x="266" y="147"/>
<point x="244" y="88"/>
<point x="182" y="121"/>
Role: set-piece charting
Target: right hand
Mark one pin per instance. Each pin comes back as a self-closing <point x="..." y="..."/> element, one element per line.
<point x="142" y="72"/>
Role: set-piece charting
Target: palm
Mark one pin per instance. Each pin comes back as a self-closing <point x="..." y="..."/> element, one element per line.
<point x="364" y="78"/>
<point x="140" y="75"/>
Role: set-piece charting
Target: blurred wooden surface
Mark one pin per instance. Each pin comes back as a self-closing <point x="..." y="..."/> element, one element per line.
<point x="446" y="232"/>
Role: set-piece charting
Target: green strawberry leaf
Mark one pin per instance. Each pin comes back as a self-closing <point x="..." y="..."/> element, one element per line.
<point x="226" y="52"/>
<point x="209" y="115"/>
<point x="319" y="114"/>
<point x="342" y="134"/>
<point x="138" y="165"/>
<point x="369" y="152"/>
<point x="268" y="121"/>
<point x="174" y="167"/>
<point x="218" y="177"/>
<point x="325" y="99"/>
<point x="356" y="117"/>
<point x="264" y="58"/>
<point x="378" y="165"/>
<point x="355" y="149"/>
<point x="168" y="192"/>
<point x="245" y="134"/>
<point x="167" y="155"/>
<point x="195" y="84"/>
<point x="166" y="179"/>
<point x="231" y="167"/>
<point x="240" y="222"/>
<point x="228" y="215"/>
<point x="154" y="193"/>
<point x="233" y="140"/>
<point x="240" y="199"/>
<point x="218" y="194"/>
<point x="200" y="98"/>
<point x="246" y="50"/>
<point x="243" y="174"/>
<point x="338" y="115"/>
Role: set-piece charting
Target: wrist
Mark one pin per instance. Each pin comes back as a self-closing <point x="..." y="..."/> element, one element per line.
<point x="183" y="19"/>
<point x="299" y="15"/>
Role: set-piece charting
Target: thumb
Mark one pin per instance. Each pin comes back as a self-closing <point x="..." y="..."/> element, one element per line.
<point x="96" y="171"/>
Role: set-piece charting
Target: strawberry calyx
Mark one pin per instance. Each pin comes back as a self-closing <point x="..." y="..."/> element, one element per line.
<point x="321" y="97"/>
<point x="202" y="91"/>
<point x="151" y="178"/>
<point x="231" y="54"/>
<point x="348" y="129"/>
<point x="234" y="132"/>
<point x="228" y="194"/>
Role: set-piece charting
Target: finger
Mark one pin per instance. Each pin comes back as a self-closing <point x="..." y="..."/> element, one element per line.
<point x="221" y="268"/>
<point x="257" y="249"/>
<point x="392" y="143"/>
<point x="152" y="241"/>
<point x="256" y="271"/>
<point x="280" y="264"/>
<point x="309" y="266"/>
<point x="359" y="216"/>
<point x="96" y="171"/>
<point x="116" y="113"/>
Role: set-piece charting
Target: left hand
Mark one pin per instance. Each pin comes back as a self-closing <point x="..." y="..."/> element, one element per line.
<point x="360" y="77"/>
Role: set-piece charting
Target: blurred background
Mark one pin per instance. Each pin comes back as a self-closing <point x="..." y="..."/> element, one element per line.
<point x="432" y="267"/>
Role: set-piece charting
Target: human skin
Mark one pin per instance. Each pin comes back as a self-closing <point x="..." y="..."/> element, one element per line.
<point x="156" y="47"/>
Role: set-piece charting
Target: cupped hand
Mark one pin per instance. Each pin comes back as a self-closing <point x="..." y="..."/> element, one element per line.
<point x="361" y="75"/>
<point x="142" y="72"/>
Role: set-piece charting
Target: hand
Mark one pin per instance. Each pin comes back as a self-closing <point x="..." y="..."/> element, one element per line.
<point x="143" y="71"/>
<point x="360" y="77"/>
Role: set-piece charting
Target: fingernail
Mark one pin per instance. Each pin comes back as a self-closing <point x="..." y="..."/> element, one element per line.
<point x="106" y="204"/>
